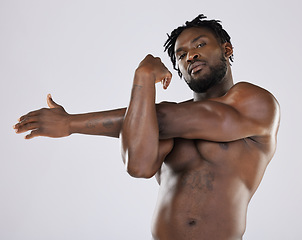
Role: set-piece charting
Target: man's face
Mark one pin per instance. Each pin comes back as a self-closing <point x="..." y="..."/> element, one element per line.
<point x="200" y="58"/>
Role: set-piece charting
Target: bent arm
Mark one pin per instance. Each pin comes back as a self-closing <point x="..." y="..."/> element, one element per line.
<point x="140" y="135"/>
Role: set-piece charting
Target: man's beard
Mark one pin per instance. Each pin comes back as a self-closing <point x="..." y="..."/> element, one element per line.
<point x="215" y="76"/>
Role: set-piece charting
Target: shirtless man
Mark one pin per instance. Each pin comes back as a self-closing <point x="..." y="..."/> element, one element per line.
<point x="209" y="154"/>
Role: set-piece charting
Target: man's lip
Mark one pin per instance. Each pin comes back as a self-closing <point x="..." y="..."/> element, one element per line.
<point x="195" y="66"/>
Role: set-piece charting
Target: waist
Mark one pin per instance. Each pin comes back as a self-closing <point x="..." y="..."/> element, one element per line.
<point x="200" y="207"/>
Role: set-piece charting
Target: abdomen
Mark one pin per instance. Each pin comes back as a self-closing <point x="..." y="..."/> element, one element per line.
<point x="200" y="204"/>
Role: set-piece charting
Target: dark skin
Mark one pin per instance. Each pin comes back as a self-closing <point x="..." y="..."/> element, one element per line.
<point x="209" y="155"/>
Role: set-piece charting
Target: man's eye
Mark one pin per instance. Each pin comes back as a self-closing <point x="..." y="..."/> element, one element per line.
<point x="181" y="56"/>
<point x="200" y="45"/>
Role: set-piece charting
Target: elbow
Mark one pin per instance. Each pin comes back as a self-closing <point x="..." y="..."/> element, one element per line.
<point x="140" y="167"/>
<point x="139" y="161"/>
<point x="139" y="173"/>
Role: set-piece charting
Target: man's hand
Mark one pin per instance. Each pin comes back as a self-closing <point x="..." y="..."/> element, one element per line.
<point x="49" y="122"/>
<point x="155" y="66"/>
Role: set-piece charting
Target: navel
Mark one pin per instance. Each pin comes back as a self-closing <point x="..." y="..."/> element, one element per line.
<point x="192" y="222"/>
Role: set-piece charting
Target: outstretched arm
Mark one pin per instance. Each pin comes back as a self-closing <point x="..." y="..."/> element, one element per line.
<point x="245" y="111"/>
<point x="56" y="122"/>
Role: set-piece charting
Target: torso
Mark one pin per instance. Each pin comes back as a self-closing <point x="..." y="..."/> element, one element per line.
<point x="205" y="188"/>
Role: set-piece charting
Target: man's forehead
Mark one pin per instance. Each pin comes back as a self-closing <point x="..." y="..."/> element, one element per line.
<point x="190" y="34"/>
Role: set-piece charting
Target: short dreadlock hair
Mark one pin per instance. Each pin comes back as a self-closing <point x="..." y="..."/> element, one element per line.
<point x="213" y="25"/>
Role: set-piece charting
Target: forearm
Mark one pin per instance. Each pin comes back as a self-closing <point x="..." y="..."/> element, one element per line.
<point x="140" y="135"/>
<point x="105" y="123"/>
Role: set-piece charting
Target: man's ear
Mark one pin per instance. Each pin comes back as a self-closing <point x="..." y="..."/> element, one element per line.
<point x="228" y="49"/>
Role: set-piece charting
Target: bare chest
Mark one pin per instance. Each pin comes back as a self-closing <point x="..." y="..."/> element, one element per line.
<point x="188" y="154"/>
<point x="241" y="160"/>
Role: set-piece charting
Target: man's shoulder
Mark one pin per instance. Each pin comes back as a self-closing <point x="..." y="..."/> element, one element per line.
<point x="255" y="103"/>
<point x="173" y="103"/>
<point x="249" y="88"/>
<point x="248" y="93"/>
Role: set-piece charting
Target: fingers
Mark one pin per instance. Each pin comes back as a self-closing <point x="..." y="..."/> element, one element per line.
<point x="27" y="122"/>
<point x="24" y="127"/>
<point x="30" y="114"/>
<point x="51" y="103"/>
<point x="27" y="119"/>
<point x="34" y="133"/>
<point x="166" y="82"/>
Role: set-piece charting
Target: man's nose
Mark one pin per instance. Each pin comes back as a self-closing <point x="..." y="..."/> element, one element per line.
<point x="192" y="56"/>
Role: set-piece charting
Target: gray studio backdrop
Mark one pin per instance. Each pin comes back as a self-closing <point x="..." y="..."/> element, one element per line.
<point x="84" y="53"/>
